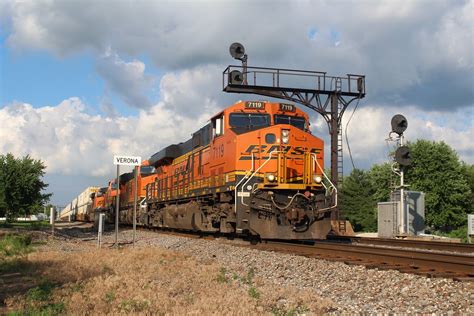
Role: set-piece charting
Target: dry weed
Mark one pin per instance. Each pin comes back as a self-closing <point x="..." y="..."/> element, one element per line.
<point x="156" y="281"/>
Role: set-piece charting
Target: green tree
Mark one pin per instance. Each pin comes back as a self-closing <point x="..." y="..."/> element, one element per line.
<point x="437" y="171"/>
<point x="21" y="186"/>
<point x="448" y="185"/>
<point x="468" y="173"/>
<point x="383" y="180"/>
<point x="357" y="201"/>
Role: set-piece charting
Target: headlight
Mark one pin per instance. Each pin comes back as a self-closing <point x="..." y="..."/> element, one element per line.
<point x="317" y="179"/>
<point x="271" y="177"/>
<point x="285" y="136"/>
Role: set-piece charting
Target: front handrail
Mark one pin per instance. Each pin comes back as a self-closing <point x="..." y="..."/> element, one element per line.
<point x="254" y="173"/>
<point x="237" y="185"/>
<point x="331" y="184"/>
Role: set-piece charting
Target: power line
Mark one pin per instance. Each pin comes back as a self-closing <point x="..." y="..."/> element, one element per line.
<point x="345" y="133"/>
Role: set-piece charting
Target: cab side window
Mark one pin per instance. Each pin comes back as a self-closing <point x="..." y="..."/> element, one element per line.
<point x="218" y="126"/>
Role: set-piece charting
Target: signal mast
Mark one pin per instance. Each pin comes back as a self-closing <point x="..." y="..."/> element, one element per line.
<point x="402" y="161"/>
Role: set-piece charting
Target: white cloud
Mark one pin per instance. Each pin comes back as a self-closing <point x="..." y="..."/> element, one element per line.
<point x="194" y="91"/>
<point x="127" y="79"/>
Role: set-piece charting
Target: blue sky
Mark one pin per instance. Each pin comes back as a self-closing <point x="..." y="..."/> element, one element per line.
<point x="42" y="79"/>
<point x="83" y="80"/>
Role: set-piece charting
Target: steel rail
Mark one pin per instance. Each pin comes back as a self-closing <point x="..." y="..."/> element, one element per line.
<point x="405" y="260"/>
<point x="419" y="244"/>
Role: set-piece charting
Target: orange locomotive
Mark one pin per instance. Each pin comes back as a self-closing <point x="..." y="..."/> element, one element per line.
<point x="146" y="175"/>
<point x="255" y="169"/>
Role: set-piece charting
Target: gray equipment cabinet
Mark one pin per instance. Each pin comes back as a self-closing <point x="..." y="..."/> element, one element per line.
<point x="390" y="220"/>
<point x="387" y="219"/>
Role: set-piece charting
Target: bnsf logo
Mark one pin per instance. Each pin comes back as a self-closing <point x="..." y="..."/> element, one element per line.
<point x="298" y="150"/>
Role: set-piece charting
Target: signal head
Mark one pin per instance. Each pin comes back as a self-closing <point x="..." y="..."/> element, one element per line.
<point x="399" y="124"/>
<point x="403" y="156"/>
<point x="237" y="50"/>
<point x="236" y="77"/>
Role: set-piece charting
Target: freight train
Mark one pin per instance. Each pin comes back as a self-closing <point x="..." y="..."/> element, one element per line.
<point x="81" y="207"/>
<point x="255" y="169"/>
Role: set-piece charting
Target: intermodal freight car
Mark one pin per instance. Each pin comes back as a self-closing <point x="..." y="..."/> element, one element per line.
<point x="81" y="208"/>
<point x="255" y="169"/>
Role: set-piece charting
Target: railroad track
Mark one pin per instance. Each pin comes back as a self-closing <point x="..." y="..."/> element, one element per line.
<point x="427" y="258"/>
<point x="417" y="244"/>
<point x="459" y="267"/>
<point x="402" y="255"/>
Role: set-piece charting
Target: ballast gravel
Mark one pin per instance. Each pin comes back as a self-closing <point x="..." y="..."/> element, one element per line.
<point x="352" y="288"/>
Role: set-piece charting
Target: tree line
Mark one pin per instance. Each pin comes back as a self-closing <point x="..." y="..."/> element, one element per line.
<point x="447" y="182"/>
<point x="21" y="186"/>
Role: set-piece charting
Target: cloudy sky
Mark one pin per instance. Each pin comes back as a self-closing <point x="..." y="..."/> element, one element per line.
<point x="83" y="80"/>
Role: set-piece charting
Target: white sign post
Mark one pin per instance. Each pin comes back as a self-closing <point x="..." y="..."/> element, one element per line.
<point x="101" y="229"/>
<point x="51" y="220"/>
<point x="470" y="227"/>
<point x="125" y="161"/>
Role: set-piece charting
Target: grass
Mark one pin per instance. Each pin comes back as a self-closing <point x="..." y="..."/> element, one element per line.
<point x="110" y="296"/>
<point x="42" y="292"/>
<point x="39" y="301"/>
<point x="134" y="305"/>
<point x="459" y="233"/>
<point x="221" y="277"/>
<point x="247" y="280"/>
<point x="14" y="245"/>
<point x="292" y="311"/>
<point x="29" y="225"/>
<point x="253" y="292"/>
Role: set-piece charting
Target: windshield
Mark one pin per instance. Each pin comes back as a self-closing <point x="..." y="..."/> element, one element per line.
<point x="298" y="122"/>
<point x="244" y="122"/>
<point x="147" y="170"/>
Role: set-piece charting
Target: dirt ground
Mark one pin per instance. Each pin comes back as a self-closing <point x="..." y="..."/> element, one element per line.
<point x="72" y="276"/>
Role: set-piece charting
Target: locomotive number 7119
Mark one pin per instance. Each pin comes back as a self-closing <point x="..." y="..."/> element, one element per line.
<point x="218" y="151"/>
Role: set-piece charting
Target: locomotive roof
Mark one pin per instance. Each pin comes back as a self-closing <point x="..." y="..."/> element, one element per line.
<point x="268" y="107"/>
<point x="202" y="137"/>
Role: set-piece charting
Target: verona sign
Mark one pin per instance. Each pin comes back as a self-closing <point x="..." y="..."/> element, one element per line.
<point x="127" y="160"/>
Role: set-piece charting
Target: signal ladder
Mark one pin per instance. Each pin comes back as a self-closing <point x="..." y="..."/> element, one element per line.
<point x="340" y="157"/>
<point x="336" y="215"/>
